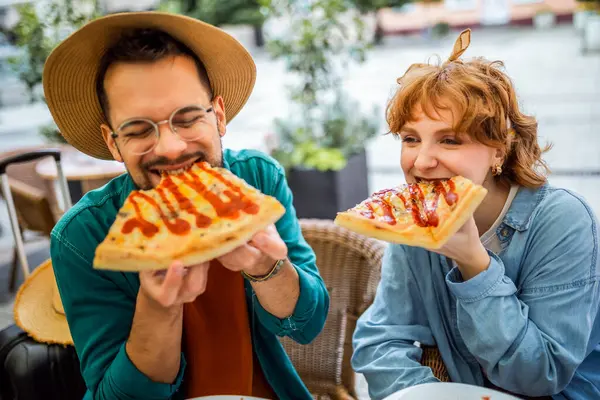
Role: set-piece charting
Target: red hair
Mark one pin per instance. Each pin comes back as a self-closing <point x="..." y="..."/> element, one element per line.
<point x="484" y="106"/>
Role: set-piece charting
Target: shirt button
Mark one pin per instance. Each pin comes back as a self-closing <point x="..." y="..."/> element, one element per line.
<point x="504" y="232"/>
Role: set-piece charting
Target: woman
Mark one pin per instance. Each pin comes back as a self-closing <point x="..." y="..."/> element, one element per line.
<point x="512" y="300"/>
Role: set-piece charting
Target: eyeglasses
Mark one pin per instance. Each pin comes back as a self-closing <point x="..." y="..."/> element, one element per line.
<point x="140" y="135"/>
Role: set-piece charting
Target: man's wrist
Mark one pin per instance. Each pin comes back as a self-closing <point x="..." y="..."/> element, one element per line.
<point x="268" y="274"/>
<point x="146" y="303"/>
<point x="261" y="269"/>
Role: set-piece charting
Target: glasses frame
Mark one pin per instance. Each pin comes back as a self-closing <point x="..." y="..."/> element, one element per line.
<point x="157" y="124"/>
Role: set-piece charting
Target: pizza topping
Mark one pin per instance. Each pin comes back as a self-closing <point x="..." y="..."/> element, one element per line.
<point x="386" y="210"/>
<point x="202" y="221"/>
<point x="237" y="201"/>
<point x="411" y="196"/>
<point x="224" y="209"/>
<point x="179" y="226"/>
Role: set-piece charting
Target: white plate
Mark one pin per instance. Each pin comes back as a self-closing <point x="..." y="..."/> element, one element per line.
<point x="448" y="391"/>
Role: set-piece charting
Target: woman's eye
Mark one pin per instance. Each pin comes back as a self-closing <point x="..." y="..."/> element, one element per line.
<point x="409" y="139"/>
<point x="450" y="141"/>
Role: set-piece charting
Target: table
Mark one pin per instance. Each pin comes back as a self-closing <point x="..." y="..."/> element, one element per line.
<point x="83" y="172"/>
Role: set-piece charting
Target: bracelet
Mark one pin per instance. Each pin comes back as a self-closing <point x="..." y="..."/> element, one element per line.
<point x="269" y="275"/>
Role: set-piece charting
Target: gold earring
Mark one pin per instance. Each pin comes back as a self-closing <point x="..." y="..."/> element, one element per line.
<point x="497" y="169"/>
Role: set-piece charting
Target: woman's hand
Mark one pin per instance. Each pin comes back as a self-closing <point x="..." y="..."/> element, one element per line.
<point x="466" y="249"/>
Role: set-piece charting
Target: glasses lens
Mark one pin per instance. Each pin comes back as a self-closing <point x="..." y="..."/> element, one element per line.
<point x="138" y="136"/>
<point x="189" y="121"/>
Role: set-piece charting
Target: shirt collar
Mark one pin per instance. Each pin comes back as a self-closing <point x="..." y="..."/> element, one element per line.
<point x="520" y="213"/>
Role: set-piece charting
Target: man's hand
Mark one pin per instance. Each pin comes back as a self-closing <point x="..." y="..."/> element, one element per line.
<point x="258" y="256"/>
<point x="176" y="285"/>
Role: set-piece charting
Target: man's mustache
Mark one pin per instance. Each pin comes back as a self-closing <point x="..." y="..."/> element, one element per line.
<point x="165" y="162"/>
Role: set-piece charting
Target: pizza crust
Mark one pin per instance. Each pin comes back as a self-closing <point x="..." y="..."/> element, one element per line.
<point x="411" y="236"/>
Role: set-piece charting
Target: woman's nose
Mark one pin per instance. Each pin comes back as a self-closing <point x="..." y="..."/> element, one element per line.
<point x="425" y="159"/>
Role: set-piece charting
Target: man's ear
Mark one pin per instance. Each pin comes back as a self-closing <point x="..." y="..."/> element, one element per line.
<point x="219" y="107"/>
<point x="110" y="142"/>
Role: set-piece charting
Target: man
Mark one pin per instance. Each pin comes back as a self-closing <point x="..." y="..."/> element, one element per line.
<point x="193" y="330"/>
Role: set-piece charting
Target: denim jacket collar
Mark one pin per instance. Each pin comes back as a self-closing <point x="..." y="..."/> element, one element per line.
<point x="520" y="213"/>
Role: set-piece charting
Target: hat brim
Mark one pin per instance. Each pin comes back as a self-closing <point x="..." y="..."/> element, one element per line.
<point x="70" y="71"/>
<point x="35" y="312"/>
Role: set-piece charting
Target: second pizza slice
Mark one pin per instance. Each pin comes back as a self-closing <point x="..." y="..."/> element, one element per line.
<point x="424" y="214"/>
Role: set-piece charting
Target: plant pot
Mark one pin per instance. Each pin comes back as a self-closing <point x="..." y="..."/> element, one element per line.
<point x="591" y="33"/>
<point x="544" y="20"/>
<point x="580" y="19"/>
<point x="322" y="194"/>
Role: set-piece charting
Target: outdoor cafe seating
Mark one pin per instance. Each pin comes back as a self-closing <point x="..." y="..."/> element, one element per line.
<point x="348" y="262"/>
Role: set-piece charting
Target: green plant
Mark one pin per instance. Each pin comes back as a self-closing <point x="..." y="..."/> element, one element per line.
<point x="589" y="5"/>
<point x="440" y="29"/>
<point x="326" y="127"/>
<point x="326" y="144"/>
<point x="37" y="32"/>
<point x="36" y="47"/>
<point x="51" y="134"/>
<point x="215" y="12"/>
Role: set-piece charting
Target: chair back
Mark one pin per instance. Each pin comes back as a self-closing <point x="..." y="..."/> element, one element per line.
<point x="34" y="197"/>
<point x="350" y="265"/>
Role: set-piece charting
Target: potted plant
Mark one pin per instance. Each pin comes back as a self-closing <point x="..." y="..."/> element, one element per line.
<point x="583" y="9"/>
<point x="37" y="32"/>
<point x="322" y="142"/>
<point x="222" y="13"/>
<point x="544" y="17"/>
<point x="591" y="25"/>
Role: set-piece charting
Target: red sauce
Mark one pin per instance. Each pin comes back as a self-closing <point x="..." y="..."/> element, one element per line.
<point x="202" y="221"/>
<point x="411" y="203"/>
<point x="178" y="226"/>
<point x="386" y="209"/>
<point x="368" y="212"/>
<point x="225" y="209"/>
<point x="239" y="199"/>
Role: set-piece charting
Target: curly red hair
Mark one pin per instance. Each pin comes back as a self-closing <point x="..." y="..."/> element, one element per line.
<point x="484" y="105"/>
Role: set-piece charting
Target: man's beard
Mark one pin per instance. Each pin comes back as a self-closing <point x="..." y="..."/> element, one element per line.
<point x="144" y="182"/>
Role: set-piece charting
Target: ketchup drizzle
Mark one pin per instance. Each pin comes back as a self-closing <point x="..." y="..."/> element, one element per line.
<point x="411" y="203"/>
<point x="225" y="209"/>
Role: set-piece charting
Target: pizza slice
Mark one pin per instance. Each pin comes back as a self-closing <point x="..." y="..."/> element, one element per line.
<point x="424" y="214"/>
<point x="193" y="216"/>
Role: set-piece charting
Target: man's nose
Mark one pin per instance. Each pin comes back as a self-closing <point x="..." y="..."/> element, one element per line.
<point x="169" y="145"/>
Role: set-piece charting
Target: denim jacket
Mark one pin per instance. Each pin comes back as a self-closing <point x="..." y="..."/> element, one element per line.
<point x="529" y="323"/>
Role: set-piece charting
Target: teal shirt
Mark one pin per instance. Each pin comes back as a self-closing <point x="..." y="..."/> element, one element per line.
<point x="99" y="305"/>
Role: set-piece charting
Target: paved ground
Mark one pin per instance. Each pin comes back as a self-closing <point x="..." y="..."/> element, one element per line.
<point x="556" y="83"/>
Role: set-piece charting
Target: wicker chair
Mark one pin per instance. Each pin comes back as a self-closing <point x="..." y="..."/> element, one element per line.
<point x="350" y="265"/>
<point x="35" y="202"/>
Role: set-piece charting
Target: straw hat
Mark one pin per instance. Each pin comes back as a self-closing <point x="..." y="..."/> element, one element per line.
<point x="38" y="309"/>
<point x="70" y="71"/>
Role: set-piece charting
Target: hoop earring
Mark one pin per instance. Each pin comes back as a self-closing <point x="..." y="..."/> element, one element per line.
<point x="497" y="170"/>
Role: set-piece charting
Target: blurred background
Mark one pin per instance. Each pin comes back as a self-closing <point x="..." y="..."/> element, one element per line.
<point x="326" y="69"/>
